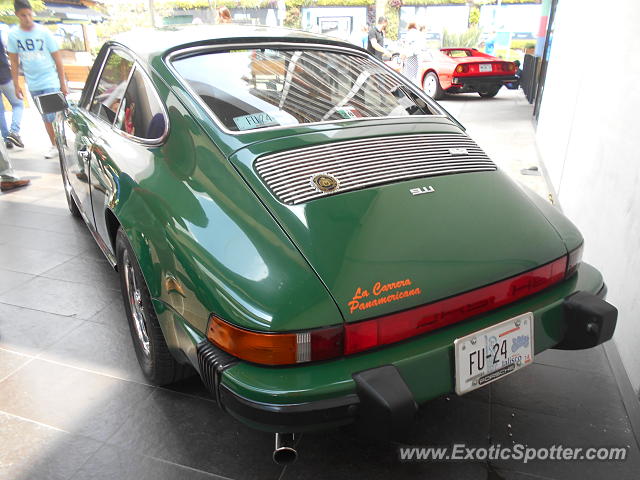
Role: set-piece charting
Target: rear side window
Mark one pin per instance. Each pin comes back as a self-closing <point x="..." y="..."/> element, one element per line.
<point x="141" y="114"/>
<point x="111" y="86"/>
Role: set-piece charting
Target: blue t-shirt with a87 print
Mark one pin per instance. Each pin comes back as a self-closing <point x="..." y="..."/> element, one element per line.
<point x="34" y="48"/>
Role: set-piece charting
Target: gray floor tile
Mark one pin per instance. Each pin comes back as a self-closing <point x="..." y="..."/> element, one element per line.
<point x="98" y="347"/>
<point x="111" y="463"/>
<point x="49" y="242"/>
<point x="196" y="433"/>
<point x="344" y="455"/>
<point x="27" y="260"/>
<point x="87" y="270"/>
<point x="451" y="419"/>
<point x="60" y="297"/>
<point x="190" y="386"/>
<point x="9" y="279"/>
<point x="31" y="331"/>
<point x="30" y="451"/>
<point x="73" y="400"/>
<point x="113" y="315"/>
<point x="43" y="221"/>
<point x="10" y="362"/>
<point x="591" y="360"/>
<point x="563" y="393"/>
<point x="537" y="430"/>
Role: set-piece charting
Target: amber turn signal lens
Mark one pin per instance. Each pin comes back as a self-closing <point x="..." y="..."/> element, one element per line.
<point x="461" y="68"/>
<point x="276" y="348"/>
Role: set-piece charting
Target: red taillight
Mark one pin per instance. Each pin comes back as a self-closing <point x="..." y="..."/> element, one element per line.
<point x="575" y="257"/>
<point x="399" y="326"/>
<point x="462" y="68"/>
<point x="509" y="67"/>
<point x="276" y="348"/>
<point x="325" y="343"/>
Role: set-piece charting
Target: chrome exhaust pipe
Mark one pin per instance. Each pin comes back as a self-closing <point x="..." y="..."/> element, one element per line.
<point x="285" y="452"/>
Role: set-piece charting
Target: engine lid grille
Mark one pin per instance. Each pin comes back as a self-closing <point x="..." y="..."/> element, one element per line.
<point x="304" y="174"/>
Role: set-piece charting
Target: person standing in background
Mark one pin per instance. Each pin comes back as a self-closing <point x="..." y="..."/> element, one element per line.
<point x="375" y="45"/>
<point x="34" y="46"/>
<point x="412" y="47"/>
<point x="11" y="136"/>
<point x="224" y="15"/>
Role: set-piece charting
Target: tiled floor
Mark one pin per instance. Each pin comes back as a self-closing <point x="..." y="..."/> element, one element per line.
<point x="74" y="405"/>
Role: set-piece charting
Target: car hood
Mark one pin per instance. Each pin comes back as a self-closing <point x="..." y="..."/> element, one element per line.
<point x="469" y="229"/>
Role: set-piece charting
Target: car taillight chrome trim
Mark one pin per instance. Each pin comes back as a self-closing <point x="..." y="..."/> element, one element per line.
<point x="362" y="163"/>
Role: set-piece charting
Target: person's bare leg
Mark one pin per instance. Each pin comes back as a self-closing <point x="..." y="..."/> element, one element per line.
<point x="49" y="127"/>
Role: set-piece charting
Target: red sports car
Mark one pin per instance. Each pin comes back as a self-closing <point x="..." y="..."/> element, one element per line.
<point x="463" y="70"/>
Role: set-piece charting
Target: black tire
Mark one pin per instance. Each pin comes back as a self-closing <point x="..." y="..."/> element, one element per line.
<point x="431" y="86"/>
<point x="490" y="93"/>
<point x="155" y="359"/>
<point x="71" y="203"/>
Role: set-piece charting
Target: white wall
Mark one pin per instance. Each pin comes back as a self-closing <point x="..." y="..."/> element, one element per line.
<point x="589" y="138"/>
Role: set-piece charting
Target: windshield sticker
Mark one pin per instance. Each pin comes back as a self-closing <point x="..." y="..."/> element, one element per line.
<point x="348" y="112"/>
<point x="255" y="120"/>
<point x="382" y="293"/>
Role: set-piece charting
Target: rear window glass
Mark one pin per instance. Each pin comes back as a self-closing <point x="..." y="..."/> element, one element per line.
<point x="258" y="88"/>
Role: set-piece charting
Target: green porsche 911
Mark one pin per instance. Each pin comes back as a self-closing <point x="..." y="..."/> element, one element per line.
<point x="311" y="233"/>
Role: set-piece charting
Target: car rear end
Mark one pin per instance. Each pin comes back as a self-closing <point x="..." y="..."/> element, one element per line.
<point x="482" y="74"/>
<point x="421" y="242"/>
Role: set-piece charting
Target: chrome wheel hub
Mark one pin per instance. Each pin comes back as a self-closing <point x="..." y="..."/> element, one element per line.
<point x="135" y="303"/>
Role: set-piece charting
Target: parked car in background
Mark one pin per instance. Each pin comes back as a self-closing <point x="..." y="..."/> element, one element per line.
<point x="310" y="232"/>
<point x="463" y="70"/>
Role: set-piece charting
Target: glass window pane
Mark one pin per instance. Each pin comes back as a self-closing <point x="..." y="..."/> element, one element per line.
<point x="249" y="89"/>
<point x="141" y="114"/>
<point x="111" y="86"/>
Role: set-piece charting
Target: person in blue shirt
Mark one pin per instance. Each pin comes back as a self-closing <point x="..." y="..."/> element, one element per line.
<point x="38" y="52"/>
<point x="11" y="137"/>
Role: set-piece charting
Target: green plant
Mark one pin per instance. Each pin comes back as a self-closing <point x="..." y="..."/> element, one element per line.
<point x="523" y="44"/>
<point x="470" y="38"/>
<point x="293" y="18"/>
<point x="474" y="16"/>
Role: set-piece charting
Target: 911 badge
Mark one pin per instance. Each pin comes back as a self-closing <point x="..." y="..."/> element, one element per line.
<point x="422" y="190"/>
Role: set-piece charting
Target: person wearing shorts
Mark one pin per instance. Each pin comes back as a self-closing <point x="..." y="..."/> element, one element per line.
<point x="34" y="46"/>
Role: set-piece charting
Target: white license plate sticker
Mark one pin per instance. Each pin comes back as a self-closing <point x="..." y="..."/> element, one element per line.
<point x="490" y="354"/>
<point x="485" y="67"/>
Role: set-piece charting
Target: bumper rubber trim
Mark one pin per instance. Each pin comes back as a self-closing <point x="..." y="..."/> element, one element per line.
<point x="291" y="414"/>
<point x="590" y="320"/>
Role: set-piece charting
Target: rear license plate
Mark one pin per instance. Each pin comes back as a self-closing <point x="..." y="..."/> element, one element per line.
<point x="490" y="354"/>
<point x="485" y="67"/>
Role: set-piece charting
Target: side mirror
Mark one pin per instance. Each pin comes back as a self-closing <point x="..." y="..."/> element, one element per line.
<point x="51" y="103"/>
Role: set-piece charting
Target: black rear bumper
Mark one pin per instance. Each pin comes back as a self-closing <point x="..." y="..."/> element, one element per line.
<point x="382" y="404"/>
<point x="480" y="84"/>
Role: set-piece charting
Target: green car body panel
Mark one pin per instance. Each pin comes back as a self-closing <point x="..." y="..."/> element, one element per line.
<point x="210" y="237"/>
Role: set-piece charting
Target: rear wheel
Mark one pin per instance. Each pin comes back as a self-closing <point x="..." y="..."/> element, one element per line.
<point x="490" y="93"/>
<point x="152" y="351"/>
<point x="431" y="86"/>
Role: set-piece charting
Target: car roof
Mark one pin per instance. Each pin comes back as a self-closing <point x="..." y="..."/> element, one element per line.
<point x="150" y="43"/>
